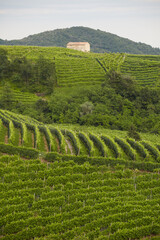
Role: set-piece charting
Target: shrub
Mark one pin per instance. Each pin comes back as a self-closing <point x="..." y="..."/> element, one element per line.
<point x="132" y="133"/>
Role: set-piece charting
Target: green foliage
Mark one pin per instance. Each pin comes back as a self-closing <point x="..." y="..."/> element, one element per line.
<point x="74" y="139"/>
<point x="3" y="131"/>
<point x="4" y="64"/>
<point x="126" y="148"/>
<point x="7" y="98"/>
<point x="123" y="84"/>
<point x="60" y="138"/>
<point x="78" y="197"/>
<point x="138" y="147"/>
<point x="87" y="142"/>
<point x="132" y="133"/>
<point x="66" y="200"/>
<point x="86" y="108"/>
<point x="21" y="130"/>
<point x="44" y="74"/>
<point x="112" y="145"/>
<point x="99" y="144"/>
<point x="37" y="76"/>
<point x="24" y="134"/>
<point x="49" y="138"/>
<point x="117" y="103"/>
<point x="153" y="150"/>
<point x="145" y="69"/>
<point x="22" y="151"/>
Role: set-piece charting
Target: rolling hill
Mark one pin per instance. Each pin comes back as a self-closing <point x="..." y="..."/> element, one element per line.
<point x="100" y="41"/>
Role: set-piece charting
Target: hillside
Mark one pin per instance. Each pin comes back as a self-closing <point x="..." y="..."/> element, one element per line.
<point x="22" y="131"/>
<point x="67" y="170"/>
<point x="52" y="190"/>
<point x="76" y="68"/>
<point x="61" y="85"/>
<point x="100" y="41"/>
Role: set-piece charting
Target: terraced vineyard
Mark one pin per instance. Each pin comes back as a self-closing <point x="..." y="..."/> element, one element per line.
<point x="72" y="67"/>
<point x="73" y="71"/>
<point x="77" y="68"/>
<point x="22" y="131"/>
<point x="22" y="97"/>
<point x="145" y="69"/>
<point x="89" y="69"/>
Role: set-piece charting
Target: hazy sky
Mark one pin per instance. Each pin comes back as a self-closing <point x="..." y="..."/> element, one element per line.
<point x="138" y="20"/>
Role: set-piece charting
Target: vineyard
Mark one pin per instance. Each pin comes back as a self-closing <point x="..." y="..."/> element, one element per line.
<point x="22" y="131"/>
<point x="77" y="68"/>
<point x="23" y="97"/>
<point x="70" y="181"/>
<point x="82" y="184"/>
<point x="145" y="69"/>
<point x="64" y="200"/>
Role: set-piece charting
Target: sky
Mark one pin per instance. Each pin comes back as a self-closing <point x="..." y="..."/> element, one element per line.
<point x="137" y="20"/>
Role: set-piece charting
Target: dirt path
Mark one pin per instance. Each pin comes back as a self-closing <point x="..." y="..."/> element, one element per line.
<point x="69" y="146"/>
<point x="46" y="144"/>
<point x="58" y="146"/>
<point x="20" y="139"/>
<point x="33" y="140"/>
<point x="6" y="139"/>
<point x="6" y="136"/>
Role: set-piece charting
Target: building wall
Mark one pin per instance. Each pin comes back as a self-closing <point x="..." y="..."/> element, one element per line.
<point x="84" y="47"/>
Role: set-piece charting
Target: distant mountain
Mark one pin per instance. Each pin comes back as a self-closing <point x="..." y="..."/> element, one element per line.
<point x="100" y="41"/>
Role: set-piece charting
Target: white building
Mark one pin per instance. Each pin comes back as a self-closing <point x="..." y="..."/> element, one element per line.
<point x="81" y="46"/>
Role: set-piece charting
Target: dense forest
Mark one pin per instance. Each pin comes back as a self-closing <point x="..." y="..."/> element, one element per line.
<point x="117" y="103"/>
<point x="100" y="41"/>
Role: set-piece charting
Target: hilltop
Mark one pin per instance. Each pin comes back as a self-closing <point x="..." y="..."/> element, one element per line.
<point x="100" y="41"/>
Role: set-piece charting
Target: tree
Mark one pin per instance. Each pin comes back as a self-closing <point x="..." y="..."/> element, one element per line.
<point x="4" y="64"/>
<point x="123" y="84"/>
<point x="22" y="72"/>
<point x="7" y="98"/>
<point x="86" y="108"/>
<point x="132" y="133"/>
<point x="44" y="74"/>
